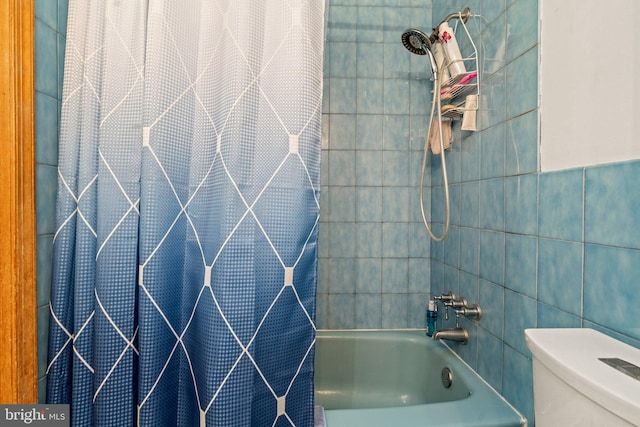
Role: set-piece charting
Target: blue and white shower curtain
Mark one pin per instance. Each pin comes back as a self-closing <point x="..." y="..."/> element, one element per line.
<point x="185" y="253"/>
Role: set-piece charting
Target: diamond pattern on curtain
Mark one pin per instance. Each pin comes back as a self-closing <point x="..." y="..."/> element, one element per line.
<point x="188" y="201"/>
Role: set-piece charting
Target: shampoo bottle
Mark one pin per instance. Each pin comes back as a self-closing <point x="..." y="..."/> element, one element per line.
<point x="431" y="318"/>
<point x="441" y="62"/>
<point x="451" y="50"/>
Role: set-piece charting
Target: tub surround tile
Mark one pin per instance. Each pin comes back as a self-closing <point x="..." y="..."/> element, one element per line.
<point x="46" y="180"/>
<point x="46" y="72"/>
<point x="517" y="380"/>
<point x="369" y="244"/>
<point x="395" y="204"/>
<point x="437" y="204"/>
<point x="368" y="60"/>
<point x="368" y="168"/>
<point x="419" y="241"/>
<point x="368" y="311"/>
<point x="369" y="128"/>
<point x="395" y="240"/>
<point x="490" y="356"/>
<point x="522" y="18"/>
<point x="394" y="307"/>
<point x="492" y="304"/>
<point x="42" y="390"/>
<point x="369" y="275"/>
<point x="396" y="96"/>
<point x="46" y="129"/>
<point x="44" y="267"/>
<point x="470" y="158"/>
<point x="342" y="131"/>
<point x="520" y="313"/>
<point x="342" y="165"/>
<point x="395" y="132"/>
<point x="420" y="97"/>
<point x="469" y="352"/>
<point x="342" y="95"/>
<point x="341" y="311"/>
<point x="612" y="333"/>
<point x="492" y="104"/>
<point x="341" y="59"/>
<point x="562" y="204"/>
<point x="492" y="152"/>
<point x="337" y="29"/>
<point x="469" y="250"/>
<point x="395" y="276"/>
<point x="521" y="146"/>
<point x="370" y="96"/>
<point x="43" y="339"/>
<point x="611" y="276"/>
<point x="612" y="204"/>
<point x="395" y="22"/>
<point x="323" y="276"/>
<point x="418" y="303"/>
<point x="492" y="204"/>
<point x="552" y="317"/>
<point x="47" y="11"/>
<point x="419" y="274"/>
<point x="323" y="240"/>
<point x="560" y="274"/>
<point x="63" y="7"/>
<point x="61" y="42"/>
<point x="469" y="287"/>
<point x="370" y="24"/>
<point x="470" y="204"/>
<point x="452" y="247"/>
<point x="342" y="240"/>
<point x="396" y="168"/>
<point x="451" y="277"/>
<point x="522" y="95"/>
<point x="369" y="204"/>
<point x="492" y="256"/>
<point x="343" y="204"/>
<point x="520" y="264"/>
<point x="396" y="61"/>
<point x="342" y="276"/>
<point x="521" y="204"/>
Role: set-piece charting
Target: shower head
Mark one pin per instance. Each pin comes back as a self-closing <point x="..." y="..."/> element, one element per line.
<point x="419" y="43"/>
<point x="416" y="41"/>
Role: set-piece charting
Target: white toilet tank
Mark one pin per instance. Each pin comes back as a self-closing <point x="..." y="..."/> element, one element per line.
<point x="574" y="387"/>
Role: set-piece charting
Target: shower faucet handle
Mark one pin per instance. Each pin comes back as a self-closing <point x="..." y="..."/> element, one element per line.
<point x="445" y="297"/>
<point x="474" y="312"/>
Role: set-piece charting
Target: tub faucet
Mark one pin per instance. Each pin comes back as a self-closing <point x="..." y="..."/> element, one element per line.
<point x="457" y="334"/>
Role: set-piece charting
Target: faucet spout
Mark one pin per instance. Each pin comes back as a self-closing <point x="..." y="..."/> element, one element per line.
<point x="458" y="334"/>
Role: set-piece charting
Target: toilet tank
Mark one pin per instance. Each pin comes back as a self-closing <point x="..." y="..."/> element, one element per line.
<point x="573" y="386"/>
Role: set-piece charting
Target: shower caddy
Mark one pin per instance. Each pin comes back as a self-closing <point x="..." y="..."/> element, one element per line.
<point x="459" y="86"/>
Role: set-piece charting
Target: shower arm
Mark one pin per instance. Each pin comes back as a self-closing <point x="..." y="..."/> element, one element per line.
<point x="464" y="16"/>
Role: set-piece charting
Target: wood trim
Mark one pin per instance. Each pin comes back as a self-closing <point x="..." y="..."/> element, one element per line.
<point x="18" y="331"/>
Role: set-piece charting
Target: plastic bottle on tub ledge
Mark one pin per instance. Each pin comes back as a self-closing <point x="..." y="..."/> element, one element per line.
<point x="451" y="50"/>
<point x="431" y="318"/>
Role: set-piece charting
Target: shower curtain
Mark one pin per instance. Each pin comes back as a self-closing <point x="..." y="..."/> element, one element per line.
<point x="188" y="198"/>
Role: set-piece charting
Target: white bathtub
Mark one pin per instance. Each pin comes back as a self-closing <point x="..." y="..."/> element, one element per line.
<point x="393" y="379"/>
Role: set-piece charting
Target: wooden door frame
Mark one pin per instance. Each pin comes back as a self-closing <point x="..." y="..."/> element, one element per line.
<point x="18" y="332"/>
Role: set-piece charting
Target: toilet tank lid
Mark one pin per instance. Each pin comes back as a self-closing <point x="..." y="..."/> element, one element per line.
<point x="573" y="355"/>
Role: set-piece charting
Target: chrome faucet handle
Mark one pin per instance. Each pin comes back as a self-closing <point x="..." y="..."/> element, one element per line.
<point x="456" y="303"/>
<point x="474" y="312"/>
<point x="460" y="302"/>
<point x="445" y="297"/>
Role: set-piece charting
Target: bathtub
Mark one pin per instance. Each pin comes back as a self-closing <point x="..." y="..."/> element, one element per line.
<point x="392" y="378"/>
